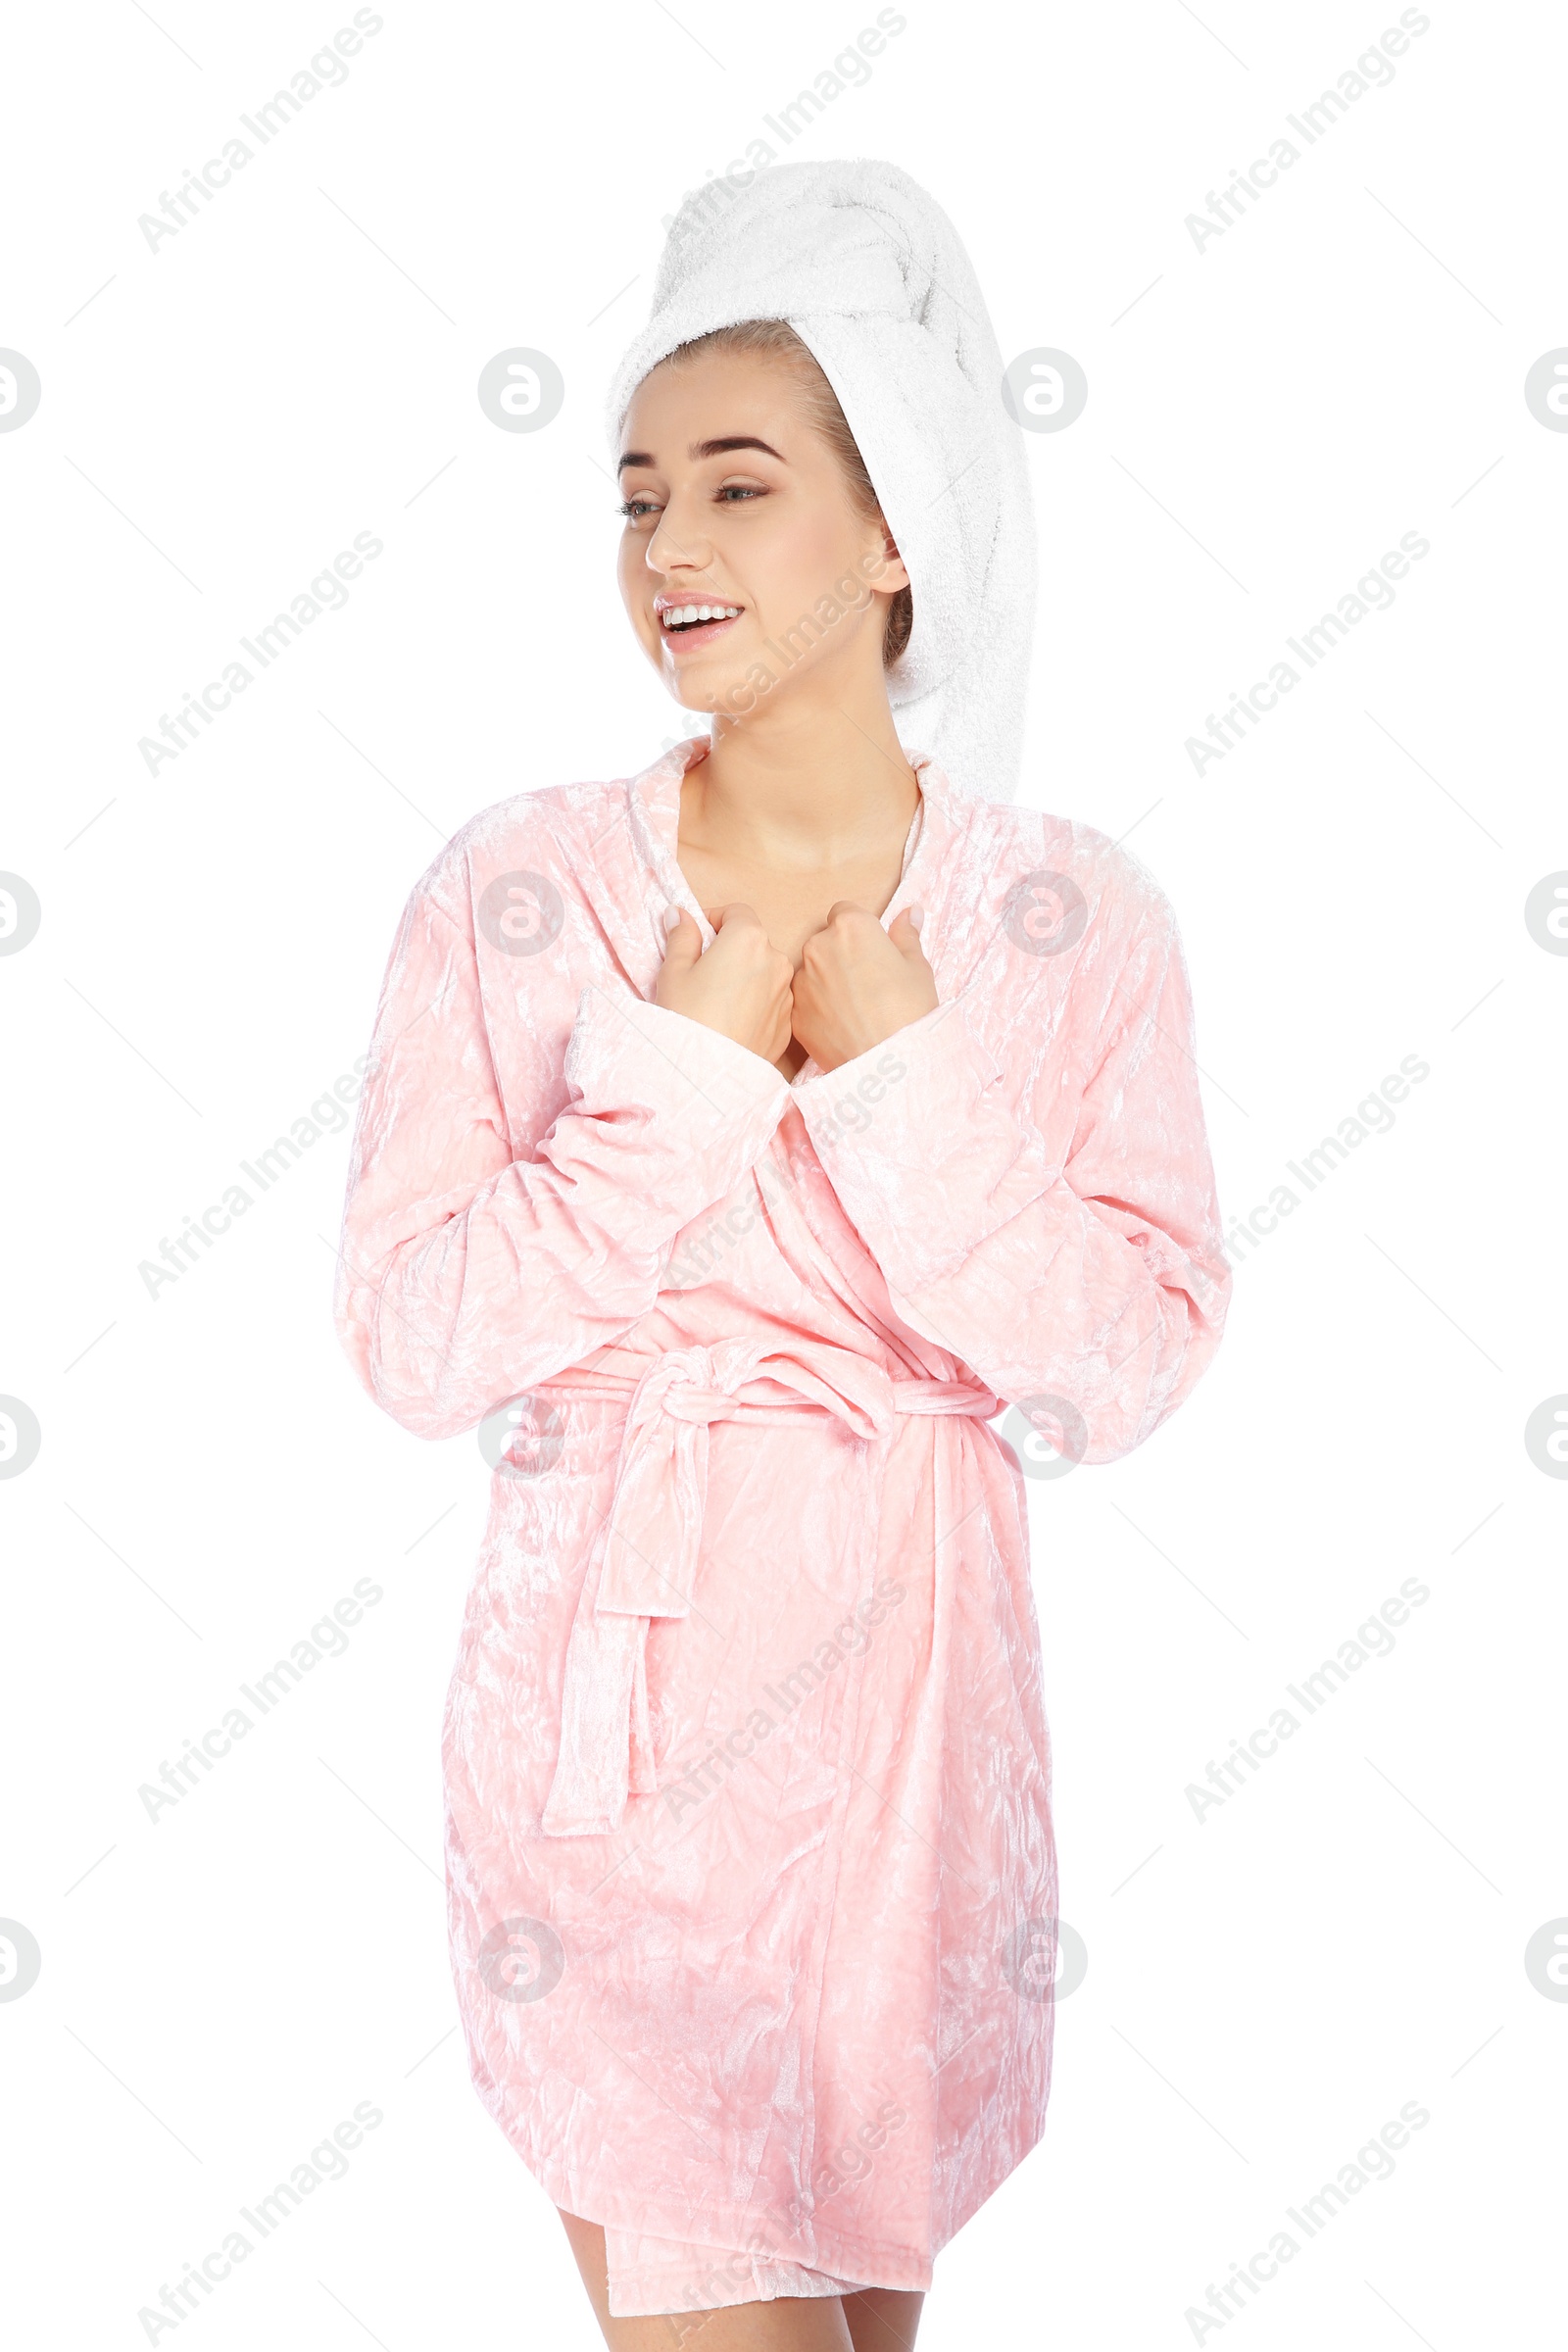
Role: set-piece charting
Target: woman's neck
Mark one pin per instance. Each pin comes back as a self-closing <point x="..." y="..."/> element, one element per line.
<point x="803" y="783"/>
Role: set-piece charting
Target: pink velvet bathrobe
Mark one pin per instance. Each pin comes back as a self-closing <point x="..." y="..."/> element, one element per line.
<point x="752" y="1885"/>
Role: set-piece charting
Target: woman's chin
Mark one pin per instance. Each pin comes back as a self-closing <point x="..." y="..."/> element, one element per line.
<point x="705" y="697"/>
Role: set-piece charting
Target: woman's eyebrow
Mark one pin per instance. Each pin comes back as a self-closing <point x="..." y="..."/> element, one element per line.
<point x="706" y="449"/>
<point x="716" y="449"/>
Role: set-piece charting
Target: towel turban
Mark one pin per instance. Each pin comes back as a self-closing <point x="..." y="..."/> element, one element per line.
<point x="870" y="274"/>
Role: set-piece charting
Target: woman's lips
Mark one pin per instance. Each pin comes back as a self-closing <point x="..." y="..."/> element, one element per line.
<point x="701" y="633"/>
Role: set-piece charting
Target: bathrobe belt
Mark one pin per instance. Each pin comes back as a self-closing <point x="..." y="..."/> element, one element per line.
<point x="644" y="1560"/>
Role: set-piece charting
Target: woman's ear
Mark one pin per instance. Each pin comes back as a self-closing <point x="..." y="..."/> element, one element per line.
<point x="896" y="576"/>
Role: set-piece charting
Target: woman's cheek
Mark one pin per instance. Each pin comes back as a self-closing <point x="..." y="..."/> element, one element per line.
<point x="795" y="565"/>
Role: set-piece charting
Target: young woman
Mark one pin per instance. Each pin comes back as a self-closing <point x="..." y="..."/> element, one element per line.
<point x="739" y="1141"/>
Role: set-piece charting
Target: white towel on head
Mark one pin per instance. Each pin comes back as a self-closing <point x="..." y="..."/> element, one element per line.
<point x="870" y="274"/>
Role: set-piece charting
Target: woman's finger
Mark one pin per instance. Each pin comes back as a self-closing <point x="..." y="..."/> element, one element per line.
<point x="683" y="941"/>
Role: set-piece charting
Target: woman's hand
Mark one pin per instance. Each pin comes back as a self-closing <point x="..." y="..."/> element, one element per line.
<point x="740" y="986"/>
<point x="858" y="983"/>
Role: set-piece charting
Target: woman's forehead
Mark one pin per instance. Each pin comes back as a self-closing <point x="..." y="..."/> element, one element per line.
<point x="719" y="395"/>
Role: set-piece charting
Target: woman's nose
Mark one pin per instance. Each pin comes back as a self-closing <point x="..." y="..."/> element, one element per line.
<point x="674" y="546"/>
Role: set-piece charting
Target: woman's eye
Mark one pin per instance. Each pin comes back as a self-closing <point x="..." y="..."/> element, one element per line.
<point x="634" y="509"/>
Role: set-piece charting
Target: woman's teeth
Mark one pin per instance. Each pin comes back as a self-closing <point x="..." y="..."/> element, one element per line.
<point x="684" y="616"/>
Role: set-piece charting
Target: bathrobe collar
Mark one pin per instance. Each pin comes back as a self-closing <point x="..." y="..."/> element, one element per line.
<point x="655" y="797"/>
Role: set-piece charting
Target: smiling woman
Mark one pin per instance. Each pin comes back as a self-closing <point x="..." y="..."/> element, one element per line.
<point x="817" y="408"/>
<point x="747" y="563"/>
<point x="752" y="1879"/>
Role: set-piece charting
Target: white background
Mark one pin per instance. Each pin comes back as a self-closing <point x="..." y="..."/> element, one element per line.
<point x="1267" y="1987"/>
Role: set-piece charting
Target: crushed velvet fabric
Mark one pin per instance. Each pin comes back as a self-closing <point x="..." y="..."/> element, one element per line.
<point x="752" y="1885"/>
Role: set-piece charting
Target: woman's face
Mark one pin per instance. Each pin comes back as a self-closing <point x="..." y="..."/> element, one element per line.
<point x="767" y="532"/>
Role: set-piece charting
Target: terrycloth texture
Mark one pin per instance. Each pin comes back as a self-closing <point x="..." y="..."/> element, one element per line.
<point x="870" y="274"/>
<point x="787" y="1998"/>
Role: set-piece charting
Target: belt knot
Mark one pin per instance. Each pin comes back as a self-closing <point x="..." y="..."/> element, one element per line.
<point x="644" y="1563"/>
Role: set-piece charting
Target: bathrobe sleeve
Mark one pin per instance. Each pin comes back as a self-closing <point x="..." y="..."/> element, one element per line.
<point x="1045" y="1210"/>
<point x="470" y="1270"/>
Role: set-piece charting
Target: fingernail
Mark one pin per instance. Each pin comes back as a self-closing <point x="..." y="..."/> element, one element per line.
<point x="671" y="917"/>
<point x="917" y="915"/>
